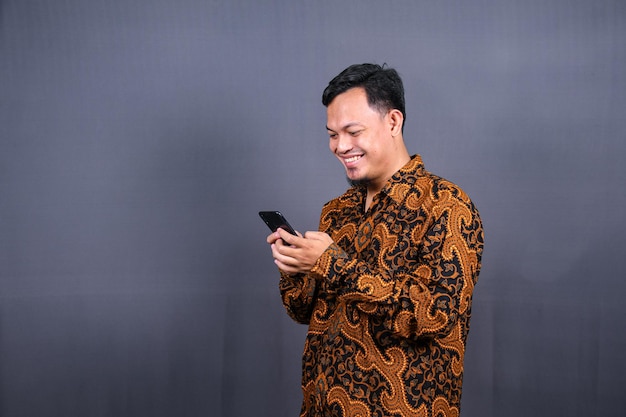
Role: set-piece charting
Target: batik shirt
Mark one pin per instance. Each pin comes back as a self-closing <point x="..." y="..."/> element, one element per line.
<point x="388" y="303"/>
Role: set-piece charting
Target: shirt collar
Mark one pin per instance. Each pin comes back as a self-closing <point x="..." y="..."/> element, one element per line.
<point x="398" y="185"/>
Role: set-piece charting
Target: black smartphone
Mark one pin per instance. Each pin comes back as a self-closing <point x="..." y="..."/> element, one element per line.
<point x="275" y="220"/>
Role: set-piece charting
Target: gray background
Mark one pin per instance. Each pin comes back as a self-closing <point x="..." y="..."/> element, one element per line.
<point x="138" y="140"/>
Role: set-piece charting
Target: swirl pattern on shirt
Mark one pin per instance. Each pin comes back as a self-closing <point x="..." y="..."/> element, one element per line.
<point x="388" y="304"/>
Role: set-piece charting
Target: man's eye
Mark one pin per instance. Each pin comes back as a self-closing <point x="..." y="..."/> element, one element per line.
<point x="355" y="133"/>
<point x="332" y="135"/>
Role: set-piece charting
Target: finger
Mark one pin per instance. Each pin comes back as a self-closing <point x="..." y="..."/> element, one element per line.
<point x="288" y="237"/>
<point x="315" y="235"/>
<point x="281" y="252"/>
<point x="286" y="268"/>
<point x="284" y="262"/>
<point x="273" y="237"/>
<point x="319" y="236"/>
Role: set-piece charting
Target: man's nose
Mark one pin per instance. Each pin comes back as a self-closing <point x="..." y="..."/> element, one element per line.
<point x="344" y="143"/>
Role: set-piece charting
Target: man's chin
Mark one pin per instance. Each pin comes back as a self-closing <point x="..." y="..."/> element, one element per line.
<point x="357" y="182"/>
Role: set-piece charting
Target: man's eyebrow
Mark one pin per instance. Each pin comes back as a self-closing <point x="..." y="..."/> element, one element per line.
<point x="347" y="126"/>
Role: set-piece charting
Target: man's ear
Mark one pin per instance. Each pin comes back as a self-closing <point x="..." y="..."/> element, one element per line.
<point x="396" y="120"/>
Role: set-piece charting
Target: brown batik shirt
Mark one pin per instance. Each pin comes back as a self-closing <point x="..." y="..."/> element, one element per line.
<point x="388" y="304"/>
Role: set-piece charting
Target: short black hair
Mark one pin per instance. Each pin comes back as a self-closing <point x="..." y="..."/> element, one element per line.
<point x="383" y="86"/>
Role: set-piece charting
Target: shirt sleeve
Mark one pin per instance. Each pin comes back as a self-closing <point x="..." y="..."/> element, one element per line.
<point x="426" y="299"/>
<point x="298" y="295"/>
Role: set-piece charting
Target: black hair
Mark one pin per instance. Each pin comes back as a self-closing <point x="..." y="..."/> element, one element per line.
<point x="382" y="85"/>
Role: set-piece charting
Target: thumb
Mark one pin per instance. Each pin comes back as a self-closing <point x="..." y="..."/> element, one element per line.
<point x="314" y="235"/>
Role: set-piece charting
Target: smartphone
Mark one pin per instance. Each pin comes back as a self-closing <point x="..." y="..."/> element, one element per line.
<point x="275" y="220"/>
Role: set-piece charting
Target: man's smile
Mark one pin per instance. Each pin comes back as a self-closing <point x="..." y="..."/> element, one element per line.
<point x="351" y="160"/>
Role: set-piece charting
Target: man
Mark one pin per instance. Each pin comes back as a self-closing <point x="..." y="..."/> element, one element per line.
<point x="386" y="284"/>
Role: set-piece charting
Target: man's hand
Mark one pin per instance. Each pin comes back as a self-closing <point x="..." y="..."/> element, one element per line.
<point x="293" y="254"/>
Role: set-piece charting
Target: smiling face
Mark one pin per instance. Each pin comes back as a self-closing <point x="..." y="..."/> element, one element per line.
<point x="368" y="143"/>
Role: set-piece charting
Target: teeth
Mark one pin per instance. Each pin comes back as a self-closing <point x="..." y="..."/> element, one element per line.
<point x="352" y="159"/>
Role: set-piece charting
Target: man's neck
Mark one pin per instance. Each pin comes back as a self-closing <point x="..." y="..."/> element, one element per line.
<point x="374" y="188"/>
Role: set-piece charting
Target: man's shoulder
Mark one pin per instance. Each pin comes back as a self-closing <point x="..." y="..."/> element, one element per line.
<point x="417" y="188"/>
<point x="415" y="176"/>
<point x="443" y="187"/>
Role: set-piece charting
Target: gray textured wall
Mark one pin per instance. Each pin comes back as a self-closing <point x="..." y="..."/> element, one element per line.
<point x="138" y="139"/>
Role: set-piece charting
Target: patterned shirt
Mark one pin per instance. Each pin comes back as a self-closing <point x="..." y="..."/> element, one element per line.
<point x="388" y="303"/>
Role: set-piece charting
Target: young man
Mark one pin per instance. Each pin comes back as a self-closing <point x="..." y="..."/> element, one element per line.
<point x="386" y="284"/>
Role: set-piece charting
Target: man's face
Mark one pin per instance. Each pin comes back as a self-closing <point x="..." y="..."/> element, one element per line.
<point x="360" y="137"/>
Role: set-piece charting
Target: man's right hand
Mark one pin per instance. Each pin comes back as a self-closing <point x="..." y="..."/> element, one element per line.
<point x="297" y="254"/>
